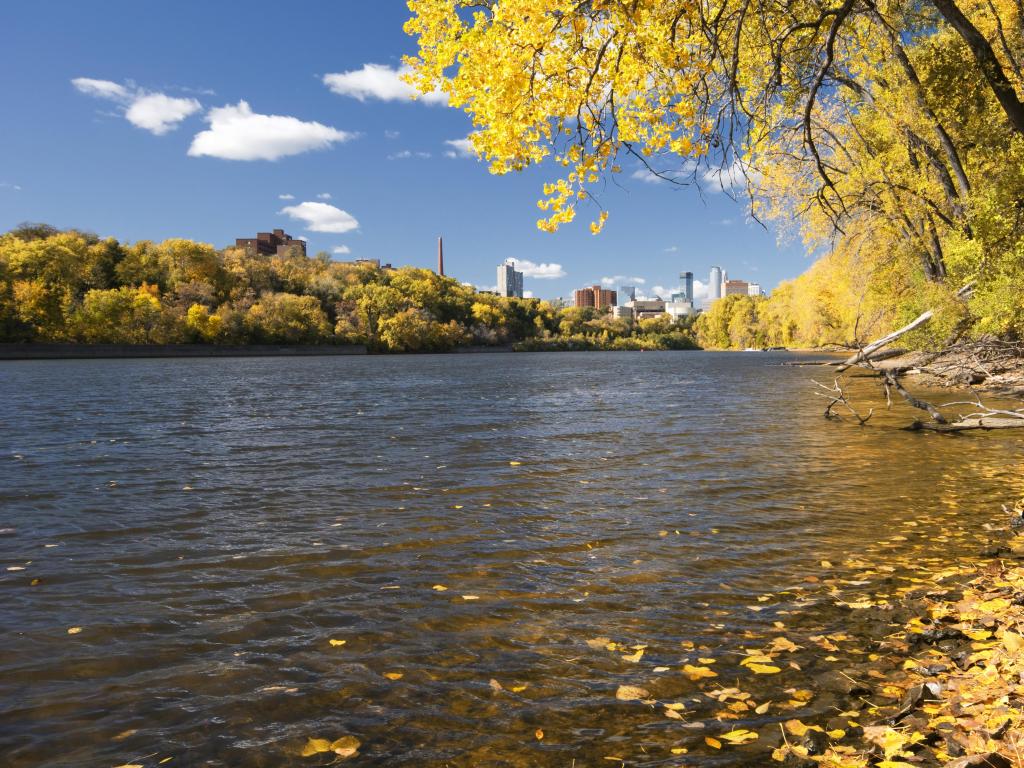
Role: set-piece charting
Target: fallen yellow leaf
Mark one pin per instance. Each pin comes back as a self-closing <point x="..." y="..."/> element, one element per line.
<point x="315" y="747"/>
<point x="696" y="673"/>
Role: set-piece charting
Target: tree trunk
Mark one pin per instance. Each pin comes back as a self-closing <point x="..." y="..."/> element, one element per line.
<point x="986" y="59"/>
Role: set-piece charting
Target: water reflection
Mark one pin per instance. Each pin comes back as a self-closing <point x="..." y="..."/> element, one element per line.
<point x="213" y="524"/>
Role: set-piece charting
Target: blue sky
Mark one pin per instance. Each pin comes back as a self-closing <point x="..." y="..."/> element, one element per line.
<point x="127" y="118"/>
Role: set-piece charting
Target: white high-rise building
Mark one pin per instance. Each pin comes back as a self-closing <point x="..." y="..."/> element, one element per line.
<point x="510" y="282"/>
<point x="715" y="284"/>
<point x="754" y="289"/>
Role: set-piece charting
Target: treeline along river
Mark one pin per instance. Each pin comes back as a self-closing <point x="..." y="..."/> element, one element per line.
<point x="461" y="527"/>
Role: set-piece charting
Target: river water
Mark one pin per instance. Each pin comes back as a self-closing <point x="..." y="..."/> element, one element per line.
<point x="211" y="525"/>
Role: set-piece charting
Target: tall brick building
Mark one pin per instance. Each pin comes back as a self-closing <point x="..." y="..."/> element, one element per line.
<point x="594" y="296"/>
<point x="271" y="243"/>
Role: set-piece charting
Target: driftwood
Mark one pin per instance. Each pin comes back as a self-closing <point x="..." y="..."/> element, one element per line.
<point x="984" y="418"/>
<point x="865" y="352"/>
<point x="891" y="381"/>
<point x="836" y="396"/>
<point x="966" y="424"/>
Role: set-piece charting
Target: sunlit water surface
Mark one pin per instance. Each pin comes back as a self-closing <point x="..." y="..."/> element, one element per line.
<point x="211" y="525"/>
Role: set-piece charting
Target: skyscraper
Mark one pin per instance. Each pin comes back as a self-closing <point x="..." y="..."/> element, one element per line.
<point x="715" y="284"/>
<point x="510" y="282"/>
<point x="628" y="290"/>
<point x="687" y="278"/>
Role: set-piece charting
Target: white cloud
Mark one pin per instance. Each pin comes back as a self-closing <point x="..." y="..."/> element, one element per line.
<point x="646" y="176"/>
<point x="460" y="148"/>
<point x="672" y="249"/>
<point x="8" y="185"/>
<point x="380" y="82"/>
<point x="341" y="250"/>
<point x="238" y="133"/>
<point x="159" y="113"/>
<point x="322" y="217"/>
<point x="324" y="196"/>
<point x="700" y="290"/>
<point x="732" y="178"/>
<point x="621" y="280"/>
<point x="392" y="134"/>
<point x="405" y="154"/>
<point x="286" y="197"/>
<point x="102" y="89"/>
<point x="155" y="112"/>
<point x="539" y="271"/>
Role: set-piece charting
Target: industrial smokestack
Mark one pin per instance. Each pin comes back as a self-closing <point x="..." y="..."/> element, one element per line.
<point x="440" y="257"/>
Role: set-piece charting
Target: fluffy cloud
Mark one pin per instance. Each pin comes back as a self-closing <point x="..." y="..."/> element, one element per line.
<point x="380" y="82"/>
<point x="341" y="250"/>
<point x="460" y="148"/>
<point x="238" y="133"/>
<point x="324" y="196"/>
<point x="286" y="197"/>
<point x="539" y="271"/>
<point x="732" y="178"/>
<point x="322" y="217"/>
<point x="621" y="280"/>
<point x="155" y="112"/>
<point x="159" y="113"/>
<point x="646" y="175"/>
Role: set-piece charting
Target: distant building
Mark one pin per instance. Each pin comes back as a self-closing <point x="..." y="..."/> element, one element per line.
<point x="715" y="284"/>
<point x="754" y="289"/>
<point x="271" y="243"/>
<point x="680" y="308"/>
<point x="622" y="312"/>
<point x="375" y="263"/>
<point x="645" y="308"/>
<point x="736" y="288"/>
<point x="628" y="292"/>
<point x="687" y="278"/>
<point x="510" y="282"/>
<point x="595" y="296"/>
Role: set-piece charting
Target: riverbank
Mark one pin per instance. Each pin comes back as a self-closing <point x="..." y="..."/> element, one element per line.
<point x="985" y="365"/>
<point x="942" y="686"/>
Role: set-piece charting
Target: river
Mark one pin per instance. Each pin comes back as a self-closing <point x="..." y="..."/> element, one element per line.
<point x="460" y="526"/>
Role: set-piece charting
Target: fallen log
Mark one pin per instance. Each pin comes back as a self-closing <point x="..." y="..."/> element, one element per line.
<point x="966" y="424"/>
<point x="866" y="352"/>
